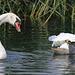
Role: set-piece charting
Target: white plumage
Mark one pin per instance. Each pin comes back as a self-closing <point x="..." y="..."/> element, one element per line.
<point x="12" y="19"/>
<point x="3" y="54"/>
<point x="60" y="39"/>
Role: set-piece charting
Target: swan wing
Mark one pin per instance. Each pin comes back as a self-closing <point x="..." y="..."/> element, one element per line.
<point x="65" y="45"/>
<point x="52" y="38"/>
<point x="60" y="39"/>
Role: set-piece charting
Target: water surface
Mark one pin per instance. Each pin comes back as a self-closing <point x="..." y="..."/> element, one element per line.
<point x="29" y="53"/>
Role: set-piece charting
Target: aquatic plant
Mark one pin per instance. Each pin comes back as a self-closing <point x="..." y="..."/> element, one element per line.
<point x="10" y="66"/>
<point x="39" y="9"/>
<point x="47" y="8"/>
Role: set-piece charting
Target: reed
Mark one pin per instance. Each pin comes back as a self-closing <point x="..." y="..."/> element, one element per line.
<point x="34" y="8"/>
<point x="49" y="16"/>
<point x="72" y="19"/>
<point x="44" y="8"/>
<point x="53" y="7"/>
<point x="10" y="66"/>
<point x="17" y="6"/>
<point x="38" y="9"/>
<point x="63" y="12"/>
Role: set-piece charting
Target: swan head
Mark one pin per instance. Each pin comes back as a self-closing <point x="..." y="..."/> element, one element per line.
<point x="15" y="21"/>
<point x="68" y="41"/>
<point x="12" y="19"/>
<point x="17" y="24"/>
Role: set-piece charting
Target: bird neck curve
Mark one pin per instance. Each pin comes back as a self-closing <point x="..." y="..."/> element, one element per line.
<point x="3" y="18"/>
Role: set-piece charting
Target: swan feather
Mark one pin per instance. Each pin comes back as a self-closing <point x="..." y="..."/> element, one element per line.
<point x="60" y="39"/>
<point x="11" y="18"/>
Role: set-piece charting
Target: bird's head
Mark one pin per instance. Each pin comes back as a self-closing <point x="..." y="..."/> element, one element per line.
<point x="14" y="20"/>
<point x="17" y="24"/>
<point x="68" y="41"/>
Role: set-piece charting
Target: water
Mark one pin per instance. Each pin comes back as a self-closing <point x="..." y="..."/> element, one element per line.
<point x="29" y="53"/>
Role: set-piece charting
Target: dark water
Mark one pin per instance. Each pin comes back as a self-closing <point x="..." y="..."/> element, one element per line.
<point x="29" y="53"/>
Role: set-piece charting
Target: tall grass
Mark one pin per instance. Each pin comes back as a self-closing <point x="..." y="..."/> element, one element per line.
<point x="48" y="7"/>
<point x="72" y="19"/>
<point x="38" y="9"/>
<point x="20" y="7"/>
<point x="42" y="8"/>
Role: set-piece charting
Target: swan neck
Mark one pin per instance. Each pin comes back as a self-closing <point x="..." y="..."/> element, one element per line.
<point x="3" y="18"/>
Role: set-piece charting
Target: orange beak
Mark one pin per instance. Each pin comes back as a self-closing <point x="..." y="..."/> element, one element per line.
<point x="18" y="27"/>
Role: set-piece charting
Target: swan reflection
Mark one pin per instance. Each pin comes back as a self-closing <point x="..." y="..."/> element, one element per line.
<point x="2" y="68"/>
<point x="67" y="62"/>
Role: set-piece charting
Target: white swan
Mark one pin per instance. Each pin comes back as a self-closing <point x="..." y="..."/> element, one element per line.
<point x="60" y="39"/>
<point x="12" y="19"/>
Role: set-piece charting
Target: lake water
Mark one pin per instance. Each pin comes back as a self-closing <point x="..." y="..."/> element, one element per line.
<point x="29" y="53"/>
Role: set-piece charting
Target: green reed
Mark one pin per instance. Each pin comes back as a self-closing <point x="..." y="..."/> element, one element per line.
<point x="52" y="7"/>
<point x="10" y="66"/>
<point x="72" y="19"/>
<point x="64" y="12"/>
<point x="51" y="13"/>
<point x="17" y="6"/>
<point x="38" y="9"/>
<point x="47" y="7"/>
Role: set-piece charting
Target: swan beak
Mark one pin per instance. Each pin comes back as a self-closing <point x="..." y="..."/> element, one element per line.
<point x="18" y="26"/>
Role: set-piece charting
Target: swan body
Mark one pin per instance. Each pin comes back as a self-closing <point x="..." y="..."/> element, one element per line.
<point x="60" y="39"/>
<point x="60" y="51"/>
<point x="3" y="54"/>
<point x="65" y="46"/>
<point x="12" y="19"/>
<point x="63" y="49"/>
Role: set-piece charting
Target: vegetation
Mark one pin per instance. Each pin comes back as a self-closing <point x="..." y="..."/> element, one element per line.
<point x="38" y="9"/>
<point x="60" y="8"/>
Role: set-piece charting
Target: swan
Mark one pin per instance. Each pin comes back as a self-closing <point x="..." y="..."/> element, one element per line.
<point x="67" y="48"/>
<point x="63" y="49"/>
<point x="60" y="39"/>
<point x="62" y="46"/>
<point x="15" y="21"/>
